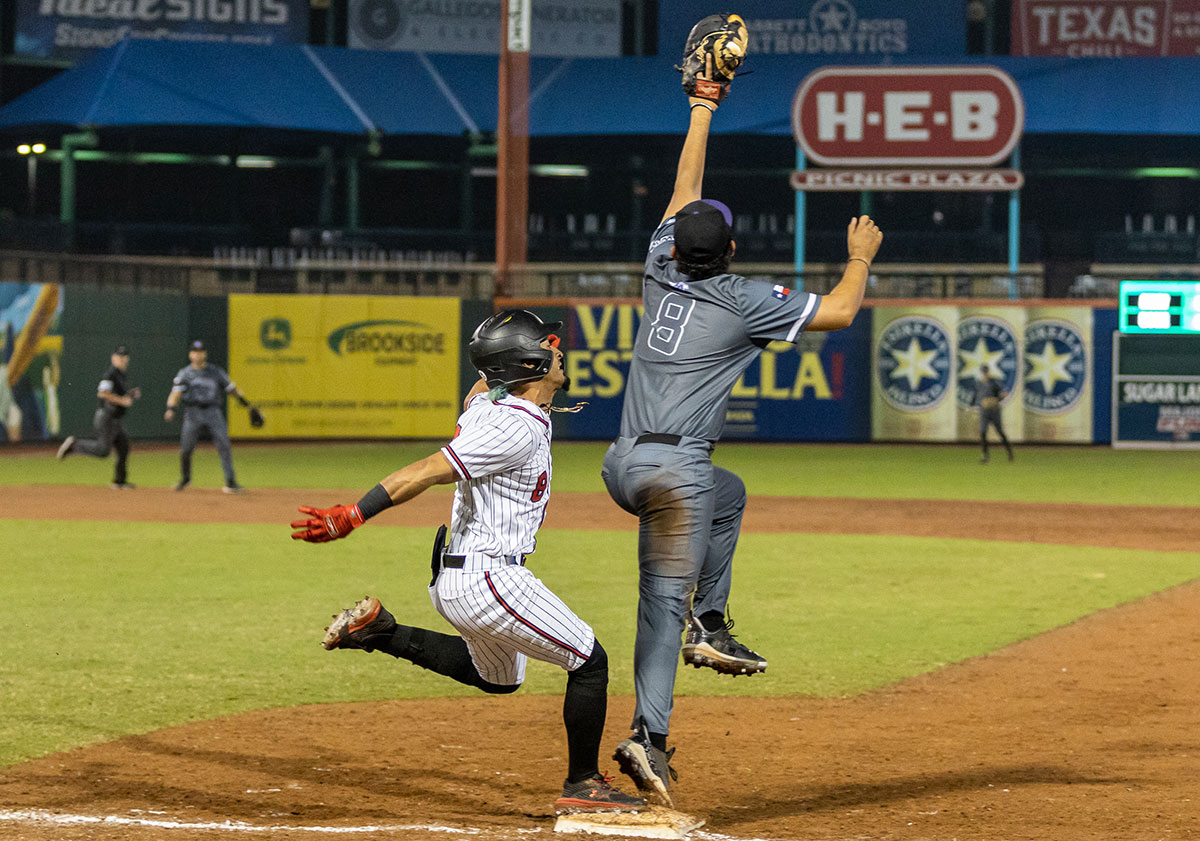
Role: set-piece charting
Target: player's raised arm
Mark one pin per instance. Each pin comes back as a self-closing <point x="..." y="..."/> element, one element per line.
<point x="715" y="48"/>
<point x="839" y="307"/>
<point x="324" y="524"/>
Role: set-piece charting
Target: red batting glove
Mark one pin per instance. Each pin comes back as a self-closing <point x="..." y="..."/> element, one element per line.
<point x="325" y="524"/>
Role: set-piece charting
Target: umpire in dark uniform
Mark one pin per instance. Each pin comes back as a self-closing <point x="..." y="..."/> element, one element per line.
<point x="202" y="388"/>
<point x="113" y="398"/>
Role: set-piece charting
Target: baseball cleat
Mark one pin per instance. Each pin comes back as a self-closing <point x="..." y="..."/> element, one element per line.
<point x="719" y="650"/>
<point x="123" y="486"/>
<point x="355" y="626"/>
<point x="182" y="483"/>
<point x="68" y="445"/>
<point x="596" y="794"/>
<point x="648" y="767"/>
<point x="233" y="488"/>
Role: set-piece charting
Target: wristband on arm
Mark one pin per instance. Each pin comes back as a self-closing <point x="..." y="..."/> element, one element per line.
<point x="375" y="500"/>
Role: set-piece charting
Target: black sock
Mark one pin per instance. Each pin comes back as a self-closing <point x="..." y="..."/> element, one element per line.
<point x="585" y="707"/>
<point x="442" y="653"/>
<point x="712" y="620"/>
<point x="659" y="740"/>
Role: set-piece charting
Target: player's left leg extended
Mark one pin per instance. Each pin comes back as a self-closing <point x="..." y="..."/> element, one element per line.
<point x="220" y="436"/>
<point x="121" y="445"/>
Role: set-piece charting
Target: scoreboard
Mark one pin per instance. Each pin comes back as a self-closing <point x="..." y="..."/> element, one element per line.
<point x="1159" y="306"/>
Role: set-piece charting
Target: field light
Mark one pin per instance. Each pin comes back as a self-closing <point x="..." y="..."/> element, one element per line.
<point x="24" y="149"/>
<point x="31" y="148"/>
<point x="38" y="148"/>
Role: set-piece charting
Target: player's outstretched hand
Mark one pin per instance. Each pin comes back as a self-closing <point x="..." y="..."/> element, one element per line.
<point x="325" y="524"/>
<point x="863" y="238"/>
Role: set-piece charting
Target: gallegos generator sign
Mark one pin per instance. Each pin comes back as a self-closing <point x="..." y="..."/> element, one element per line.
<point x="346" y="366"/>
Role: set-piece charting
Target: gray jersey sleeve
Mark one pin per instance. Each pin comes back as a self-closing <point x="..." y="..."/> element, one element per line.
<point x="775" y="313"/>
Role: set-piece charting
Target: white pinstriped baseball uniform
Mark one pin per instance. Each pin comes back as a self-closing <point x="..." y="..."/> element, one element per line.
<point x="501" y="453"/>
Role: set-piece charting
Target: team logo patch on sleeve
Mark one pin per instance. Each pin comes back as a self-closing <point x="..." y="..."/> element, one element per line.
<point x="780" y="292"/>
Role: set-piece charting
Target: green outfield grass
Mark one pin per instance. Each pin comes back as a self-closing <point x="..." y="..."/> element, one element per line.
<point x="1040" y="474"/>
<point x="111" y="629"/>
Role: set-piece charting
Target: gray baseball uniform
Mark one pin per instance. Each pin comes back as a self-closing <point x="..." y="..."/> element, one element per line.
<point x="695" y="340"/>
<point x="203" y="393"/>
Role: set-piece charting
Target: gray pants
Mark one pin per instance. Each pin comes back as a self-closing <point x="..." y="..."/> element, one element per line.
<point x="109" y="435"/>
<point x="196" y="419"/>
<point x="689" y="514"/>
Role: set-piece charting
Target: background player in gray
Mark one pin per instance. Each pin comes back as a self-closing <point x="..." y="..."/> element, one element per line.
<point x="988" y="394"/>
<point x="113" y="398"/>
<point x="202" y="388"/>
<point x="702" y="327"/>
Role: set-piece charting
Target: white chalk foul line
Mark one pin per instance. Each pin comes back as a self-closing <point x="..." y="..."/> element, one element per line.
<point x="42" y="816"/>
<point x="55" y="818"/>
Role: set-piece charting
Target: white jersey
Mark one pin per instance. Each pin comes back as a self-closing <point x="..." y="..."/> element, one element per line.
<point x="501" y="452"/>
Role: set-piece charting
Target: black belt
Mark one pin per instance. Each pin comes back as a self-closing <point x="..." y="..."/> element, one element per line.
<point x="459" y="561"/>
<point x="200" y="405"/>
<point x="665" y="438"/>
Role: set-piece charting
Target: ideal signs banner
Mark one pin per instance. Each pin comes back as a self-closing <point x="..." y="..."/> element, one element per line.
<point x="31" y="345"/>
<point x="815" y="390"/>
<point x="913" y="359"/>
<point x="1058" y="382"/>
<point x="567" y="28"/>
<point x="346" y="366"/>
<point x="71" y="30"/>
<point x="991" y="338"/>
<point x="1106" y="28"/>
<point x="822" y="28"/>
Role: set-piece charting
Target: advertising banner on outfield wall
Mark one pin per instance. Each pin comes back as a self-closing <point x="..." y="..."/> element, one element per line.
<point x="31" y="346"/>
<point x="72" y="30"/>
<point x="863" y="29"/>
<point x="913" y="354"/>
<point x="1106" y="28"/>
<point x="567" y="28"/>
<point x="815" y="390"/>
<point x="1058" y="383"/>
<point x="346" y="366"/>
<point x="991" y="337"/>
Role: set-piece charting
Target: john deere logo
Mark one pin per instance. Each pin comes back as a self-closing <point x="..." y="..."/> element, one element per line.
<point x="387" y="338"/>
<point x="275" y="333"/>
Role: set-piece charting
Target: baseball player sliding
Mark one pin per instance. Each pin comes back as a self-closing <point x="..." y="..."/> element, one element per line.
<point x="500" y="461"/>
<point x="703" y="326"/>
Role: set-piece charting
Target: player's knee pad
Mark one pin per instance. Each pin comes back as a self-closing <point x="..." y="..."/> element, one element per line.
<point x="594" y="670"/>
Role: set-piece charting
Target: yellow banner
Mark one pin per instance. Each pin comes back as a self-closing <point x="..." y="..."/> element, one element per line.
<point x="345" y="366"/>
<point x="1058" y="374"/>
<point x="913" y="387"/>
<point x="991" y="337"/>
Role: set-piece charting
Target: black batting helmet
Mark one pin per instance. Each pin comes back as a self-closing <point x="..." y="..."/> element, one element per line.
<point x="507" y="349"/>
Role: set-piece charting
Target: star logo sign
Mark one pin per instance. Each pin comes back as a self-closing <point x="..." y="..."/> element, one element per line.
<point x="913" y="363"/>
<point x="985" y="341"/>
<point x="1047" y="367"/>
<point x="1056" y="366"/>
<point x="832" y="16"/>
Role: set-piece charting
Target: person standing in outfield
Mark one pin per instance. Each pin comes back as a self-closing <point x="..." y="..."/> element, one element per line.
<point x="113" y="397"/>
<point x="988" y="394"/>
<point x="703" y="325"/>
<point x="202" y="389"/>
<point x="500" y="461"/>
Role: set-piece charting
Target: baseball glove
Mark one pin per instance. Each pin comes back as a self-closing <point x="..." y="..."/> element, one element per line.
<point x="715" y="47"/>
<point x="256" y="418"/>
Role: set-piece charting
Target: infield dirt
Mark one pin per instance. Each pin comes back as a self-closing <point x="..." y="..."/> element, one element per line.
<point x="1089" y="732"/>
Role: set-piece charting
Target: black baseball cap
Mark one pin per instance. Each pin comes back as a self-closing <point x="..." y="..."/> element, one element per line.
<point x="703" y="230"/>
<point x="121" y="350"/>
<point x="196" y="345"/>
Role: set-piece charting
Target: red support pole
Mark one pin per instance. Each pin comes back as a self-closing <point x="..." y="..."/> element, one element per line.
<point x="512" y="145"/>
